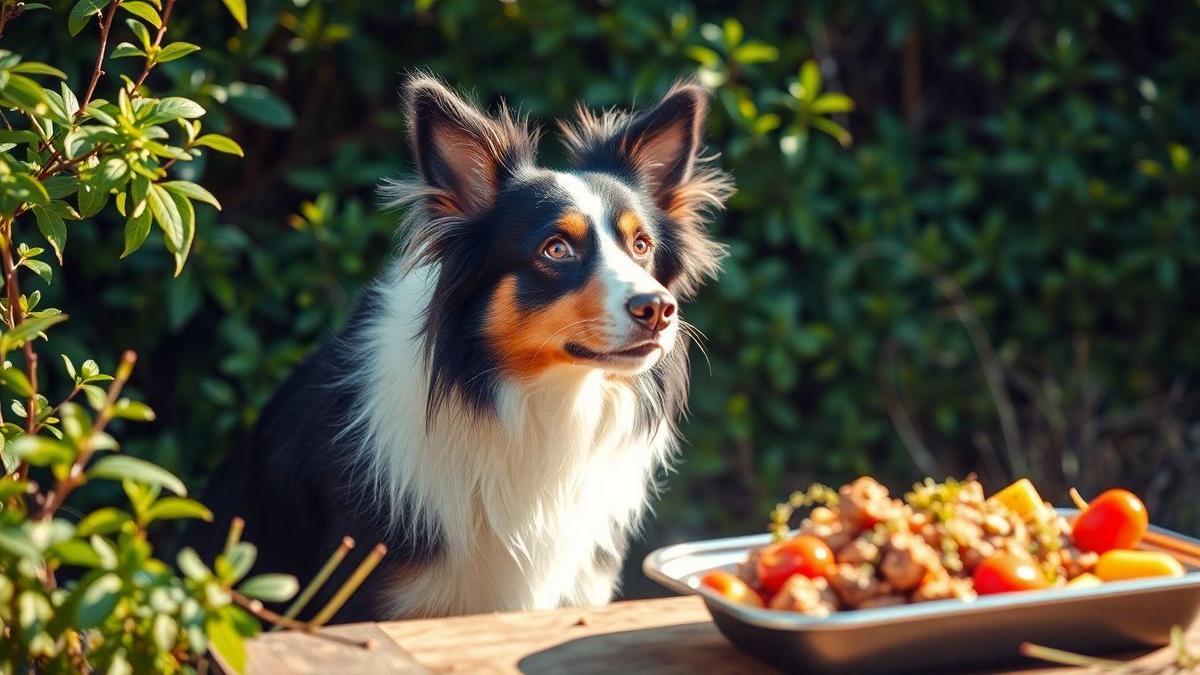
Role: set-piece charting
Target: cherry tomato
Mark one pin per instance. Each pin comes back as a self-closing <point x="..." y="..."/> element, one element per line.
<point x="1004" y="573"/>
<point x="802" y="555"/>
<point x="731" y="588"/>
<point x="1115" y="519"/>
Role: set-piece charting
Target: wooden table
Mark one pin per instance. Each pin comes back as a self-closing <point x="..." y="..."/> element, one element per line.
<point x="667" y="636"/>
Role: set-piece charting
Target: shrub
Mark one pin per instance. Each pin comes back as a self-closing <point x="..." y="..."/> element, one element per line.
<point x="83" y="592"/>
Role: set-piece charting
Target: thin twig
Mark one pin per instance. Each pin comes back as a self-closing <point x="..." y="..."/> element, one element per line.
<point x="352" y="583"/>
<point x="256" y="608"/>
<point x="98" y="69"/>
<point x="306" y="595"/>
<point x="74" y="477"/>
<point x="162" y="31"/>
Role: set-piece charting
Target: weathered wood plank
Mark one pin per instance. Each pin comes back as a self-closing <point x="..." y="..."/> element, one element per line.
<point x="292" y="653"/>
<point x="672" y="635"/>
<point x="667" y="636"/>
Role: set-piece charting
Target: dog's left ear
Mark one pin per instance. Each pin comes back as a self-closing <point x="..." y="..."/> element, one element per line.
<point x="659" y="147"/>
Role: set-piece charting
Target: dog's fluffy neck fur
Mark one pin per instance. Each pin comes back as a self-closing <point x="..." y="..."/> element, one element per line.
<point x="557" y="476"/>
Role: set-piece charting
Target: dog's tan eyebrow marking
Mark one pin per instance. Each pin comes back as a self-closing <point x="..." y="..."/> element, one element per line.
<point x="628" y="223"/>
<point x="575" y="224"/>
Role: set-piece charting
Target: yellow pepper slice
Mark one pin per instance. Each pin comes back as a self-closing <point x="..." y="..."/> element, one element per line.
<point x="1021" y="498"/>
<point x="1121" y="564"/>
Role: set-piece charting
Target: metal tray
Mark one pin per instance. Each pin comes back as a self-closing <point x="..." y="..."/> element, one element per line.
<point x="1123" y="615"/>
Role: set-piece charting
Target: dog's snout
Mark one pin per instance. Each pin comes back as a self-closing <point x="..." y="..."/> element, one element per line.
<point x="652" y="310"/>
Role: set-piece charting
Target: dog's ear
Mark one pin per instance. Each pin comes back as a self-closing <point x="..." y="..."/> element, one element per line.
<point x="462" y="155"/>
<point x="660" y="146"/>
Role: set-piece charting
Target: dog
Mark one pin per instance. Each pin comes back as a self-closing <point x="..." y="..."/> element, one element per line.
<point x="500" y="404"/>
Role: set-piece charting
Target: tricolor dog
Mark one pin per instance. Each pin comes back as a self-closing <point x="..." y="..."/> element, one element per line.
<point x="499" y="404"/>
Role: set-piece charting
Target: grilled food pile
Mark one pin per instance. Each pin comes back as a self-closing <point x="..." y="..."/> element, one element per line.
<point x="859" y="547"/>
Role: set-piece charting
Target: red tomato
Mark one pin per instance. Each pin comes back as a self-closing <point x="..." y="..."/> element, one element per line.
<point x="731" y="588"/>
<point x="802" y="555"/>
<point x="1004" y="573"/>
<point x="1115" y="519"/>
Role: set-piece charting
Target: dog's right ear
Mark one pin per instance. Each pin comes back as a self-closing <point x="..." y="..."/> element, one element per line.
<point x="463" y="156"/>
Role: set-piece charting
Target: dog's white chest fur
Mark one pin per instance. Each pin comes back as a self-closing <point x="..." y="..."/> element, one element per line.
<point x="528" y="505"/>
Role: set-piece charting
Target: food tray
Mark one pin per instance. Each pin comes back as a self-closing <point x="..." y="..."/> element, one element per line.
<point x="1121" y="615"/>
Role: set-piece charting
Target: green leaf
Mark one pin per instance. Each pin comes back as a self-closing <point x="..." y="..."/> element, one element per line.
<point x="192" y="567"/>
<point x="18" y="136"/>
<point x="223" y="638"/>
<point x="74" y="552"/>
<point x="270" y="587"/>
<point x="175" y="107"/>
<point x="137" y="229"/>
<point x="16" y="542"/>
<point x="125" y="50"/>
<point x="61" y="186"/>
<point x="35" y="68"/>
<point x="238" y="9"/>
<point x="733" y="32"/>
<point x="755" y="52"/>
<point x="28" y="329"/>
<point x="187" y="221"/>
<point x="29" y="189"/>
<point x="16" y="381"/>
<point x="143" y="34"/>
<point x="165" y="631"/>
<point x="239" y="559"/>
<point x="220" y="144"/>
<point x="172" y="508"/>
<point x="832" y="103"/>
<point x="96" y="396"/>
<point x="39" y="268"/>
<point x="132" y="410"/>
<point x="97" y="601"/>
<point x="175" y="50"/>
<point x="166" y="213"/>
<point x="185" y="188"/>
<point x="41" y="451"/>
<point x="52" y="227"/>
<point x="833" y="129"/>
<point x="91" y="200"/>
<point x="125" y="467"/>
<point x="82" y="12"/>
<point x="143" y="11"/>
<point x="104" y="520"/>
<point x="810" y="80"/>
<point x="259" y="104"/>
<point x="25" y="94"/>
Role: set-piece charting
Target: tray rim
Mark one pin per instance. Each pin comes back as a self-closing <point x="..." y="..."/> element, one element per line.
<point x="863" y="618"/>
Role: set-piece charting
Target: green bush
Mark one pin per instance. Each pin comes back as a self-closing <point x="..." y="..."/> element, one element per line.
<point x="83" y="591"/>
<point x="997" y="274"/>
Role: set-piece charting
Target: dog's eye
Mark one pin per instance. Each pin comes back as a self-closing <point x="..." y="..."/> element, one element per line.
<point x="642" y="245"/>
<point x="557" y="249"/>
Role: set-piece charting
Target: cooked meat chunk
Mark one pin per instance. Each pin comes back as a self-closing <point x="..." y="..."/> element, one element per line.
<point x="833" y="534"/>
<point x="863" y="503"/>
<point x="854" y="584"/>
<point x="810" y="596"/>
<point x="858" y="552"/>
<point x="748" y="571"/>
<point x="906" y="561"/>
<point x="944" y="588"/>
<point x="1075" y="562"/>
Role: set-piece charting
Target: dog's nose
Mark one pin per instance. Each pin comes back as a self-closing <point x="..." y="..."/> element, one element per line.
<point x="652" y="310"/>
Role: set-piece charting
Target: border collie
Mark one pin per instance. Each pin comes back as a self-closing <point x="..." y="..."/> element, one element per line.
<point x="499" y="405"/>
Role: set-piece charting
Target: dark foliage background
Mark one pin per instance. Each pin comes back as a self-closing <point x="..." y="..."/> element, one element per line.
<point x="998" y="275"/>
